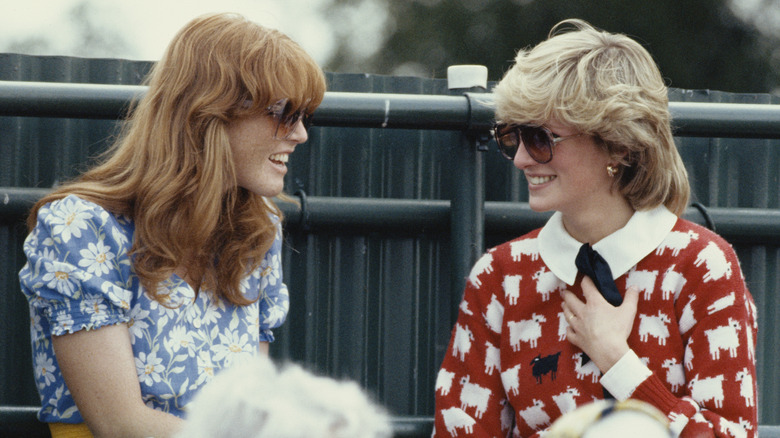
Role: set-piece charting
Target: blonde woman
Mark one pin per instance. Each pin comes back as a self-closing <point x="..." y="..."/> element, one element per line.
<point x="159" y="267"/>
<point x="616" y="296"/>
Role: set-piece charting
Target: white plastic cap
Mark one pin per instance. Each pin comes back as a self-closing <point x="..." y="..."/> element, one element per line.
<point x="466" y="76"/>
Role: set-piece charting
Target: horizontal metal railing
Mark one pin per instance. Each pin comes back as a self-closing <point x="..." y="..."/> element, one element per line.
<point x="419" y="216"/>
<point x="470" y="111"/>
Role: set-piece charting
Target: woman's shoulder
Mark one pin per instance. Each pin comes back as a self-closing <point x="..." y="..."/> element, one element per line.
<point x="75" y="207"/>
<point x="70" y="218"/>
<point x="694" y="236"/>
<point x="72" y="205"/>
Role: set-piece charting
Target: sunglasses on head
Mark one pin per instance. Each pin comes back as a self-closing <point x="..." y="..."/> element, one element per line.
<point x="537" y="140"/>
<point x="286" y="118"/>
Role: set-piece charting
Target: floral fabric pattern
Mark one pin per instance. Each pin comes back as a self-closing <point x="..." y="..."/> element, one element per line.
<point x="79" y="276"/>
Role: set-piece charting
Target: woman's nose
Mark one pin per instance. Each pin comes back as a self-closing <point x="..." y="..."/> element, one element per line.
<point x="522" y="159"/>
<point x="299" y="133"/>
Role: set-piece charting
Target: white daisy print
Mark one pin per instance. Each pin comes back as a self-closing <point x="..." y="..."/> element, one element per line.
<point x="206" y="369"/>
<point x="149" y="367"/>
<point x="69" y="219"/>
<point x="270" y="275"/>
<point x="253" y="319"/>
<point x="274" y="317"/>
<point x="212" y="312"/>
<point x="58" y="276"/>
<point x="64" y="320"/>
<point x="44" y="369"/>
<point x="231" y="343"/>
<point x="180" y="338"/>
<point x="119" y="296"/>
<point x="96" y="308"/>
<point x="96" y="258"/>
<point x="137" y="324"/>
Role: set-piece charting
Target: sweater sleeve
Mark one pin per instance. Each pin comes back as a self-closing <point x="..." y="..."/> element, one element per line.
<point x="470" y="398"/>
<point x="717" y="321"/>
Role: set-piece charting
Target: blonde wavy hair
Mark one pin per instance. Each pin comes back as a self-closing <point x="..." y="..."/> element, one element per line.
<point x="608" y="86"/>
<point x="171" y="168"/>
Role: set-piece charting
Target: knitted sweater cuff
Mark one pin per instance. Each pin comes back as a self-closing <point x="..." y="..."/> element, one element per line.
<point x="625" y="376"/>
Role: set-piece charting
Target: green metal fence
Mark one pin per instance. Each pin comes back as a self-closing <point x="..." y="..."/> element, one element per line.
<point x="398" y="196"/>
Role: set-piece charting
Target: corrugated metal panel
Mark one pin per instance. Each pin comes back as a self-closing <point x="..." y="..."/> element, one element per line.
<point x="367" y="305"/>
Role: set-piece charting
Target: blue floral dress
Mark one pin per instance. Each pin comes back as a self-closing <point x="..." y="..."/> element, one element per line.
<point x="79" y="276"/>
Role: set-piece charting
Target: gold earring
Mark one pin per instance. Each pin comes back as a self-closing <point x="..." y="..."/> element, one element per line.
<point x="611" y="171"/>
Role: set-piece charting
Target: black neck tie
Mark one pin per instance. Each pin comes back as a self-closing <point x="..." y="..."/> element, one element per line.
<point x="590" y="263"/>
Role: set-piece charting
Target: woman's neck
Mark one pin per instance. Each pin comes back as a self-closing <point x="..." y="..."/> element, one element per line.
<point x="599" y="221"/>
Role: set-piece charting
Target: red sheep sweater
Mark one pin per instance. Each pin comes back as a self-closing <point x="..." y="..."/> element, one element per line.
<point x="509" y="369"/>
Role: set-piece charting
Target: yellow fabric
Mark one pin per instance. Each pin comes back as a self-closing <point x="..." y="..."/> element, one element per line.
<point x="66" y="430"/>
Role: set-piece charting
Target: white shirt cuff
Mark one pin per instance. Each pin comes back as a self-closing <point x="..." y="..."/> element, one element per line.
<point x="625" y="376"/>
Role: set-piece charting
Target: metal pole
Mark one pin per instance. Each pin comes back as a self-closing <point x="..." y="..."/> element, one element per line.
<point x="468" y="195"/>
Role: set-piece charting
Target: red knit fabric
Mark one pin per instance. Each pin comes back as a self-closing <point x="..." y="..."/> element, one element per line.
<point x="509" y="369"/>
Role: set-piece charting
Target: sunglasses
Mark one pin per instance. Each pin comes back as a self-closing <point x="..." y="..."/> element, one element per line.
<point x="537" y="140"/>
<point x="287" y="119"/>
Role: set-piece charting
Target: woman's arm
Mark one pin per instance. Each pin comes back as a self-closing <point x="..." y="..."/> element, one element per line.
<point x="99" y="370"/>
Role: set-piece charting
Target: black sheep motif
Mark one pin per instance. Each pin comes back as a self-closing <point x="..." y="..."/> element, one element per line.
<point x="544" y="365"/>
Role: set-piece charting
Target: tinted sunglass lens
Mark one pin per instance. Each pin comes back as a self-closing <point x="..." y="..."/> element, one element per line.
<point x="305" y="118"/>
<point x="286" y="125"/>
<point x="507" y="147"/>
<point x="538" y="143"/>
<point x="506" y="140"/>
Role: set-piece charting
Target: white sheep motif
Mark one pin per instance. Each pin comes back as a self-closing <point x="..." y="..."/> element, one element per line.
<point x="689" y="356"/>
<point x="724" y="338"/>
<point x="526" y="247"/>
<point x="655" y="326"/>
<point x="676" y="241"/>
<point x="721" y="303"/>
<point x="473" y="395"/>
<point x="527" y="330"/>
<point x="511" y="286"/>
<point x="717" y="265"/>
<point x="563" y="325"/>
<point x="444" y="381"/>
<point x="494" y="314"/>
<point x="566" y="400"/>
<point x="737" y="430"/>
<point x="687" y="319"/>
<point x="492" y="358"/>
<point x="461" y="344"/>
<point x="710" y="388"/>
<point x="675" y="374"/>
<point x="547" y="283"/>
<point x="672" y="283"/>
<point x="535" y="416"/>
<point x="745" y="380"/>
<point x="483" y="266"/>
<point x="464" y="307"/>
<point x="511" y="380"/>
<point x="589" y="369"/>
<point x="643" y="280"/>
<point x="455" y="418"/>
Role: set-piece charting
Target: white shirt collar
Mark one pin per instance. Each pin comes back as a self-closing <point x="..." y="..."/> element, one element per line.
<point x="622" y="249"/>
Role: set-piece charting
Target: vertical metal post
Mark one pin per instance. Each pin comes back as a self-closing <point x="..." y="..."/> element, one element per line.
<point x="467" y="221"/>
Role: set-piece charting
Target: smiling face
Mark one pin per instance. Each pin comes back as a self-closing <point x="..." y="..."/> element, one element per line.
<point x="575" y="181"/>
<point x="260" y="159"/>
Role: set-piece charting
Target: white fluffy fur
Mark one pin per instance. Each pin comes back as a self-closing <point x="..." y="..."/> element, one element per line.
<point x="256" y="399"/>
